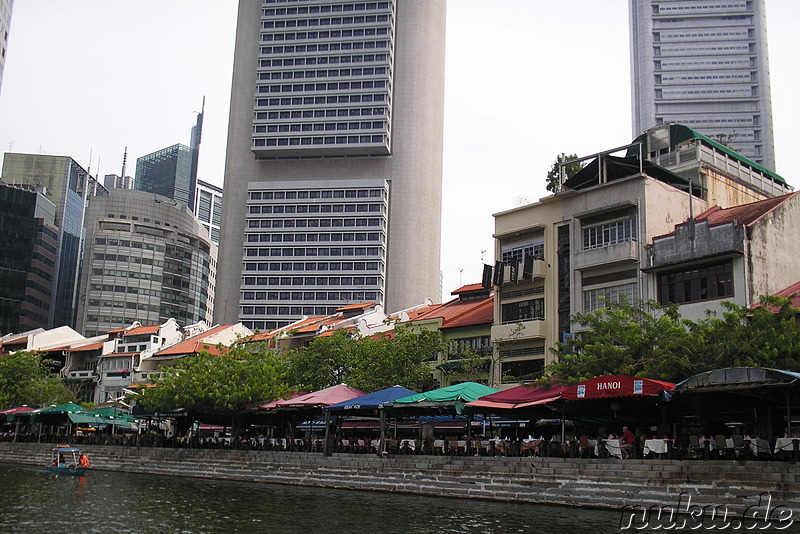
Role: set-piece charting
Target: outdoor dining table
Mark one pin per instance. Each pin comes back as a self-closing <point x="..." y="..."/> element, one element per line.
<point x="758" y="446"/>
<point x="409" y="444"/>
<point x="613" y="446"/>
<point x="784" y="444"/>
<point x="530" y="445"/>
<point x="656" y="446"/>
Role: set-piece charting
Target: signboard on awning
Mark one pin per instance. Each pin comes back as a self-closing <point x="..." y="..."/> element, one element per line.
<point x="616" y="386"/>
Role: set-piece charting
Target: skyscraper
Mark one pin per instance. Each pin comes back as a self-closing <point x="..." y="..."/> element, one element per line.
<point x="67" y="185"/>
<point x="146" y="258"/>
<point x="167" y="172"/>
<point x="5" y="23"/>
<point x="704" y="63"/>
<point x="333" y="172"/>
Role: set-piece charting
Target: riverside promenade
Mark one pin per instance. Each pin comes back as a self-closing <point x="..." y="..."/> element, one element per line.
<point x="601" y="483"/>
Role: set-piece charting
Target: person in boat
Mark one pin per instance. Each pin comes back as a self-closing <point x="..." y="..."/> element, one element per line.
<point x="61" y="461"/>
<point x="83" y="461"/>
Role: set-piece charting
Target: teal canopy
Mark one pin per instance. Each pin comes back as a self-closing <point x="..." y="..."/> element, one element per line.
<point x="464" y="392"/>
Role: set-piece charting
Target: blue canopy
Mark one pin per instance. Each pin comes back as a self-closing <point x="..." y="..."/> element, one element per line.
<point x="372" y="401"/>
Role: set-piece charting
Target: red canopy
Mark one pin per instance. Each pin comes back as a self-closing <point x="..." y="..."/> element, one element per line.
<point x="273" y="404"/>
<point x="18" y="409"/>
<point x="323" y="397"/>
<point x="616" y="386"/>
<point x="519" y="397"/>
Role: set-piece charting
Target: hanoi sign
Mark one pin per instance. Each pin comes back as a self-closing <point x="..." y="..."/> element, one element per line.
<point x="616" y="386"/>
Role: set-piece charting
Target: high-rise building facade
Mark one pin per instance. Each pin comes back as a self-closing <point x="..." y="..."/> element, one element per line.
<point x="146" y="259"/>
<point x="28" y="240"/>
<point x="704" y="64"/>
<point x="68" y="185"/>
<point x="208" y="208"/>
<point x="167" y="172"/>
<point x="333" y="174"/>
<point x="5" y="24"/>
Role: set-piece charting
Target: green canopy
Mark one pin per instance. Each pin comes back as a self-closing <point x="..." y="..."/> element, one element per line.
<point x="464" y="392"/>
<point x="61" y="409"/>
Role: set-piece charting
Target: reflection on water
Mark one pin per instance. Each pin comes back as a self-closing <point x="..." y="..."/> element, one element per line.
<point x="34" y="501"/>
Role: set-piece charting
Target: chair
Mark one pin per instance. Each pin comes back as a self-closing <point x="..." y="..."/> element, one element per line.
<point x="722" y="446"/>
<point x="738" y="445"/>
<point x="585" y="448"/>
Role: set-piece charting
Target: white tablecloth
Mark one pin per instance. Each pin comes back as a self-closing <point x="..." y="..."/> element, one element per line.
<point x="410" y="443"/>
<point x="613" y="446"/>
<point x="758" y="446"/>
<point x="656" y="446"/>
<point x="784" y="444"/>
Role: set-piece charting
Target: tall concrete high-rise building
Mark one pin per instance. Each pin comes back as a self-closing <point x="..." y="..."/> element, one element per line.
<point x="5" y="24"/>
<point x="333" y="181"/>
<point x="67" y="185"/>
<point x="704" y="64"/>
<point x="147" y="259"/>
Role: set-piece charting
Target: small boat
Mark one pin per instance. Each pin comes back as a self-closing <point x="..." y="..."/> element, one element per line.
<point x="68" y="460"/>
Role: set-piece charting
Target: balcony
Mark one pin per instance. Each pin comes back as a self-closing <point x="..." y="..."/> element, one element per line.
<point x="626" y="251"/>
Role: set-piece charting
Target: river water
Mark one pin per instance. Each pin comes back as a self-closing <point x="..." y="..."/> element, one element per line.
<point x="34" y="501"/>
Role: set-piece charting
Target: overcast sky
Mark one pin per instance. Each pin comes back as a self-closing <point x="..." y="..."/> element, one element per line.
<point x="525" y="80"/>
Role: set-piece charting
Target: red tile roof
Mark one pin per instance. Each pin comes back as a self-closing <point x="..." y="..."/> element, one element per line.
<point x="194" y="344"/>
<point x="90" y="346"/>
<point x="469" y="287"/>
<point x="142" y="330"/>
<point x="356" y="306"/>
<point x="743" y="215"/>
<point x="792" y="292"/>
<point x="115" y="354"/>
<point x="457" y="313"/>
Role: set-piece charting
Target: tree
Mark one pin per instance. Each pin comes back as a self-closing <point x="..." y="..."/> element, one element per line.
<point x="554" y="174"/>
<point x="400" y="359"/>
<point x="725" y="139"/>
<point x="644" y="339"/>
<point x="220" y="385"/>
<point x="25" y="378"/>
<point x="366" y="363"/>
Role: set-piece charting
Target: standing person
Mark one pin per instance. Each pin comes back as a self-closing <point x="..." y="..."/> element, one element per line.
<point x="626" y="441"/>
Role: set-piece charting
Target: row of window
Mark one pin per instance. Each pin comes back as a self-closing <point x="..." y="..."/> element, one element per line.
<point x="320" y="281"/>
<point x="324" y="238"/>
<point x="332" y="8"/>
<point x="594" y="299"/>
<point x="691" y="285"/>
<point x="131" y="259"/>
<point x="312" y="266"/>
<point x="310" y="23"/>
<point x="142" y="306"/>
<point x="323" y="86"/>
<point x="518" y="253"/>
<point x="303" y="223"/>
<point x="318" y="208"/>
<point x="127" y="243"/>
<point x="335" y="34"/>
<point x="322" y="251"/>
<point x="126" y="274"/>
<point x="308" y="141"/>
<point x="319" y="296"/>
<point x="334" y="99"/>
<point x="325" y="193"/>
<point x="285" y="281"/>
<point x="319" y="127"/>
<point x="609" y="233"/>
<point x="317" y="113"/>
<point x="526" y="310"/>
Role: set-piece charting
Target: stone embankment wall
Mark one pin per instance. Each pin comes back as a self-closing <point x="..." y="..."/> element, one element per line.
<point x="608" y="483"/>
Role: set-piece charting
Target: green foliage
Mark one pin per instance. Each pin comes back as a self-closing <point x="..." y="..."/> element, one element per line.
<point x="219" y="384"/>
<point x="25" y="379"/>
<point x="554" y="174"/>
<point x="368" y="363"/>
<point x="652" y="341"/>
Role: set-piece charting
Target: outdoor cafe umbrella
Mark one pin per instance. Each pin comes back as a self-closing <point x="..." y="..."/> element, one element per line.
<point x="371" y="402"/>
<point x="13" y="414"/>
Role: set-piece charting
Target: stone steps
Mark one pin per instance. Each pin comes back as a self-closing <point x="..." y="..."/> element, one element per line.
<point x="603" y="483"/>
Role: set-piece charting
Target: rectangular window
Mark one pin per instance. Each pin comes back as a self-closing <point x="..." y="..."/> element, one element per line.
<point x="594" y="299"/>
<point x="527" y="310"/>
<point x="700" y="283"/>
<point x="611" y="233"/>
